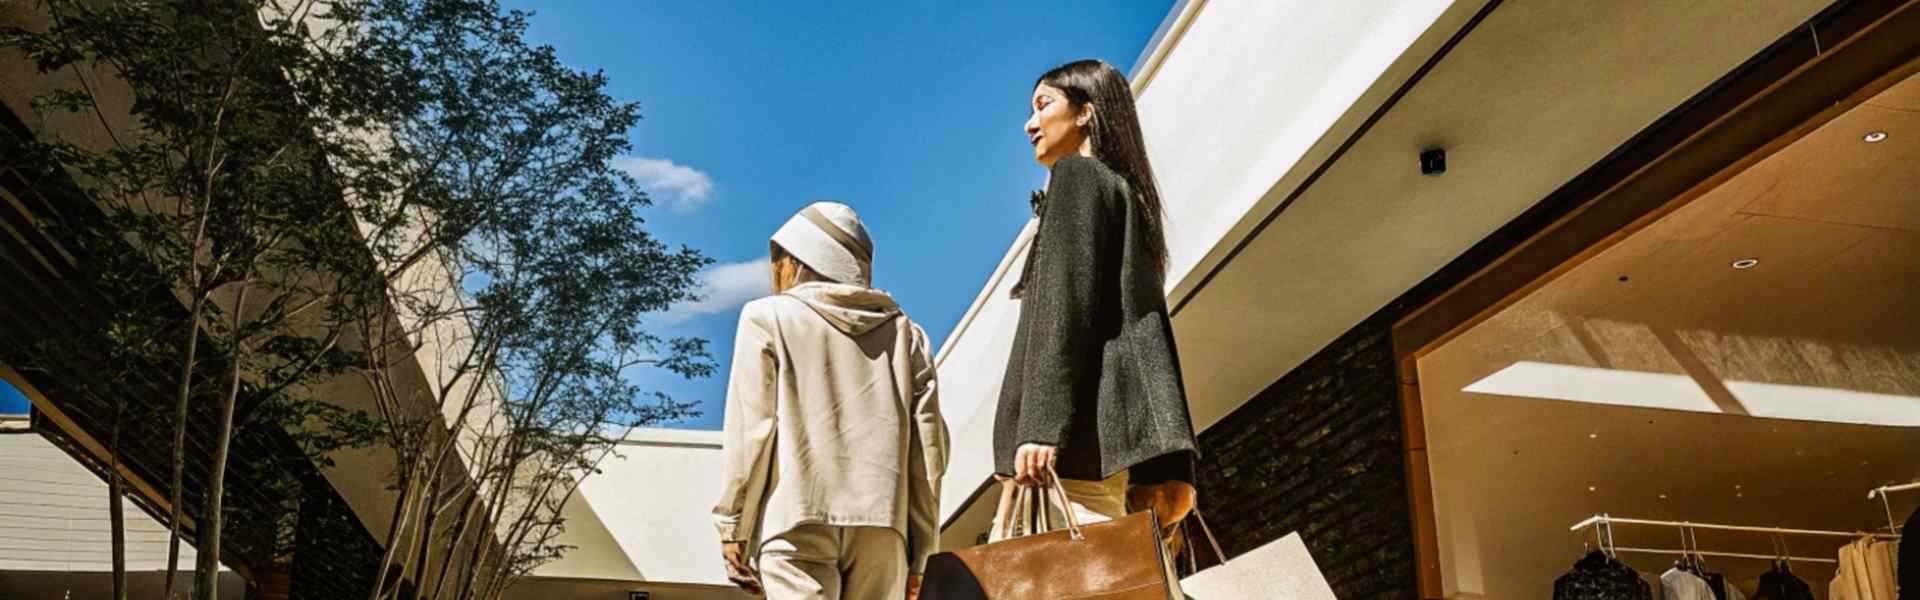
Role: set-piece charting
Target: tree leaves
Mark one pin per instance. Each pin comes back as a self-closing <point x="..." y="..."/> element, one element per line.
<point x="379" y="177"/>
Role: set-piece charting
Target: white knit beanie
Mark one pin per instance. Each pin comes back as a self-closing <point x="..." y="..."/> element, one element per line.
<point x="829" y="238"/>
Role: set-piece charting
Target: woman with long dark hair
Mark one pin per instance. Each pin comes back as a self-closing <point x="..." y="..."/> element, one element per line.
<point x="1092" y="390"/>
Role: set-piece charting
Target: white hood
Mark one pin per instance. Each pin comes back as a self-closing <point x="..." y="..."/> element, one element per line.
<point x="852" y="309"/>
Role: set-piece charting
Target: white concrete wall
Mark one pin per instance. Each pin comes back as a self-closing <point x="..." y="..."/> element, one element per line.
<point x="645" y="517"/>
<point x="53" y="513"/>
<point x="1249" y="88"/>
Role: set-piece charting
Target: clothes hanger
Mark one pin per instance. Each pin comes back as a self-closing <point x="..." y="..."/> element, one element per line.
<point x="1786" y="554"/>
<point x="1691" y="548"/>
<point x="1701" y="556"/>
<point x="1680" y="563"/>
<point x="1892" y="527"/>
<point x="1773" y="539"/>
<point x="1607" y="546"/>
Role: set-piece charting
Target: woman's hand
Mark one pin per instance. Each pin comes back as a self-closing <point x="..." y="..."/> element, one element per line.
<point x="1032" y="462"/>
<point x="738" y="571"/>
<point x="913" y="587"/>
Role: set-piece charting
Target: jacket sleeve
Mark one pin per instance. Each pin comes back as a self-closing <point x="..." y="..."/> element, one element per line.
<point x="749" y="427"/>
<point x="927" y="460"/>
<point x="1074" y="243"/>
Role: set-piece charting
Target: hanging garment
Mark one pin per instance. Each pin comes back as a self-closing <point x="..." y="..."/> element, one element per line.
<point x="1908" y="560"/>
<point x="1865" y="572"/>
<point x="1598" y="577"/>
<point x="1717" y="583"/>
<point x="1734" y="593"/>
<point x="1677" y="584"/>
<point x="1877" y="557"/>
<point x="1781" y="584"/>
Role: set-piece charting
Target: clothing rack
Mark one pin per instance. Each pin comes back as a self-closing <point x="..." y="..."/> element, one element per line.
<point x="1882" y="490"/>
<point x="1612" y="520"/>
<point x="1669" y="552"/>
<point x="1604" y="521"/>
<point x="1887" y="503"/>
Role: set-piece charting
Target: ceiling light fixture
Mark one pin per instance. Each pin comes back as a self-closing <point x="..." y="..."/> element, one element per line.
<point x="1876" y="137"/>
<point x="1746" y="263"/>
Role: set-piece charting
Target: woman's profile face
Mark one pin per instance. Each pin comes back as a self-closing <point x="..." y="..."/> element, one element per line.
<point x="1055" y="129"/>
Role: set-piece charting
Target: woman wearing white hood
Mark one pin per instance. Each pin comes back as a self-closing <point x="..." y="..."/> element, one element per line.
<point x="834" y="441"/>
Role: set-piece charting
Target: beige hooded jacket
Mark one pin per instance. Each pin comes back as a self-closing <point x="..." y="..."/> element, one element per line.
<point x="833" y="418"/>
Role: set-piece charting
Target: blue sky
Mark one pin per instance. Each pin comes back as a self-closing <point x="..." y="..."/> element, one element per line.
<point x="911" y="112"/>
<point x="12" y="402"/>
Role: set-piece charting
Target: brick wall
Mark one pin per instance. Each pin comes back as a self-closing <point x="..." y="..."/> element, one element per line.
<point x="1319" y="452"/>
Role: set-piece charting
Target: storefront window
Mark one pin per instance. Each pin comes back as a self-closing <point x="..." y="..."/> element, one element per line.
<point x="1725" y="386"/>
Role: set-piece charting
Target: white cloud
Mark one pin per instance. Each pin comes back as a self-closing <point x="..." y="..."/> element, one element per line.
<point x="685" y="188"/>
<point x="725" y="288"/>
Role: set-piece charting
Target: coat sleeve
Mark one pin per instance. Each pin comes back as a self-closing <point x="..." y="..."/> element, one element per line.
<point x="1065" y="296"/>
<point x="749" y="427"/>
<point x="927" y="460"/>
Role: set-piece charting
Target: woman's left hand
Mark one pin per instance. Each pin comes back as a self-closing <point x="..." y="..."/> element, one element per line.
<point x="1032" y="462"/>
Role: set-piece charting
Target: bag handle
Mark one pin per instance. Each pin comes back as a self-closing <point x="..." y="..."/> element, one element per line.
<point x="1202" y="520"/>
<point x="1030" y="508"/>
<point x="1066" y="507"/>
<point x="1003" y="514"/>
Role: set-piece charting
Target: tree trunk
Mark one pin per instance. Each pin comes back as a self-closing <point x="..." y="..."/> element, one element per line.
<point x="206" y="575"/>
<point x="424" y="545"/>
<point x="116" y="517"/>
<point x="184" y="392"/>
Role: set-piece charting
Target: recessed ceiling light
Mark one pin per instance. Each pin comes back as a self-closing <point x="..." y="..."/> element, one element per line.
<point x="1593" y="488"/>
<point x="1876" y="137"/>
<point x="1746" y="263"/>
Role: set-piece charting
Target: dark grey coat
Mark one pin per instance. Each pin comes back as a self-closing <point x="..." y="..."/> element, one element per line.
<point x="1093" y="368"/>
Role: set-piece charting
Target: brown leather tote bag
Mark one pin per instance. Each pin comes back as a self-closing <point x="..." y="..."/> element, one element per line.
<point x="1123" y="559"/>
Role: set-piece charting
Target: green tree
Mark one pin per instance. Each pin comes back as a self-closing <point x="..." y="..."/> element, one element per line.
<point x="199" y="159"/>
<point x="343" y="187"/>
<point x="532" y="322"/>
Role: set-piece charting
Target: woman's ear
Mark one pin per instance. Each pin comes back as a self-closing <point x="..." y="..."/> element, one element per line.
<point x="1085" y="118"/>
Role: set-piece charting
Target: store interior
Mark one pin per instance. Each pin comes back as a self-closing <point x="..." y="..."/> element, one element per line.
<point x="1750" y="359"/>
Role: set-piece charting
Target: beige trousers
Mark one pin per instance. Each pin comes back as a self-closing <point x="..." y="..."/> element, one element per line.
<point x="825" y="562"/>
<point x="1091" y="502"/>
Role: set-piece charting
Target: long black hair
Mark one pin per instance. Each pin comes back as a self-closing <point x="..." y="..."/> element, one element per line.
<point x="1115" y="129"/>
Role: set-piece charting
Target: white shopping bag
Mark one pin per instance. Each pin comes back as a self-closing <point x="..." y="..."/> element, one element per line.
<point x="1282" y="569"/>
